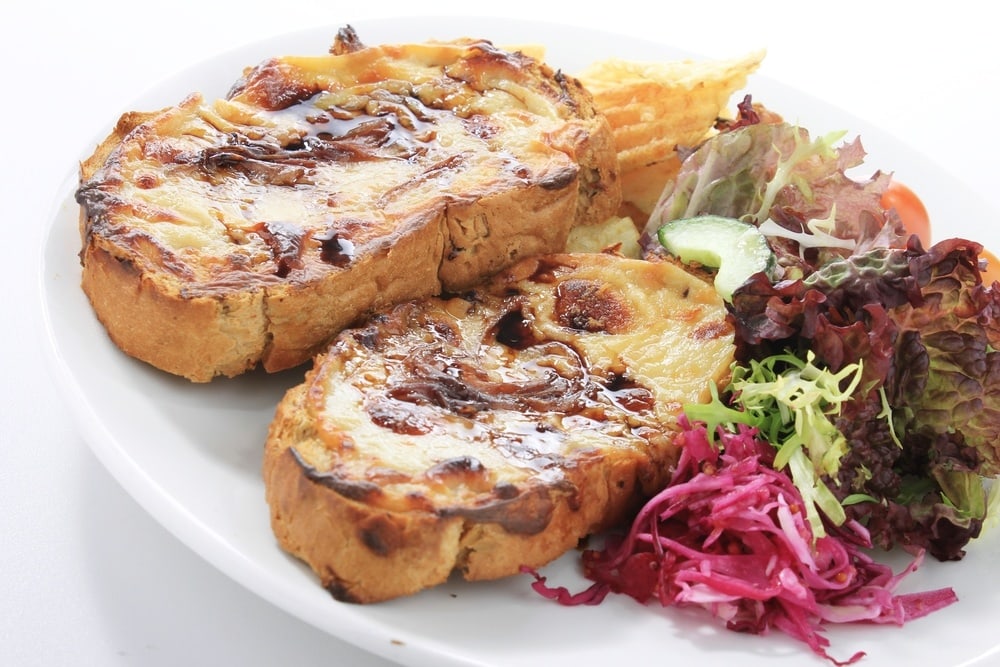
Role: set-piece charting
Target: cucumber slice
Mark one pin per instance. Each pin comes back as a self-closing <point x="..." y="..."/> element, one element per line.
<point x="735" y="248"/>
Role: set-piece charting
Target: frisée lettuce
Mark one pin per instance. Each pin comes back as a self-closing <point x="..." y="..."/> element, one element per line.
<point x="792" y="402"/>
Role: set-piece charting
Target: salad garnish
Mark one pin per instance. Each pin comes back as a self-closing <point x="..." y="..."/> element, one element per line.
<point x="863" y="410"/>
<point x="919" y="429"/>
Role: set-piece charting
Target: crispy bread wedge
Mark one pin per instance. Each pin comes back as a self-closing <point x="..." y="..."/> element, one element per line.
<point x="488" y="431"/>
<point x="223" y="234"/>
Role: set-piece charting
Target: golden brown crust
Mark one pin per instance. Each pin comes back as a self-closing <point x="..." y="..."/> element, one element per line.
<point x="363" y="553"/>
<point x="398" y="554"/>
<point x="219" y="235"/>
<point x="157" y="325"/>
<point x="493" y="431"/>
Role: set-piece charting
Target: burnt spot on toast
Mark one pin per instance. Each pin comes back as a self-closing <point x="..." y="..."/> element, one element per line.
<point x="589" y="305"/>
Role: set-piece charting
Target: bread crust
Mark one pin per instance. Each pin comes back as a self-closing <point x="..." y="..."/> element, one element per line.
<point x="423" y="444"/>
<point x="226" y="234"/>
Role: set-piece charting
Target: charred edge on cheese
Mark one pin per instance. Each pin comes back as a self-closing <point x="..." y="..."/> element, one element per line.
<point x="518" y="511"/>
<point x="100" y="208"/>
<point x="346" y="41"/>
<point x="352" y="489"/>
<point x="528" y="513"/>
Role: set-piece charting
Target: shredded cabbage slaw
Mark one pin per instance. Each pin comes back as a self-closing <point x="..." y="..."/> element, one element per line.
<point x="729" y="534"/>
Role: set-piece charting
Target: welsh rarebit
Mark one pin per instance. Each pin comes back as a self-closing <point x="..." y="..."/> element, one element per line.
<point x="493" y="430"/>
<point x="220" y="235"/>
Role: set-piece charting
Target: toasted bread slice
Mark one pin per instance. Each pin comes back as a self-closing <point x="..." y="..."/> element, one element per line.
<point x="219" y="235"/>
<point x="493" y="430"/>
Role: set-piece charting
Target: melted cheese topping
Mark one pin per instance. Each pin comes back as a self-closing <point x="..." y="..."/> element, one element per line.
<point x="563" y="358"/>
<point x="346" y="146"/>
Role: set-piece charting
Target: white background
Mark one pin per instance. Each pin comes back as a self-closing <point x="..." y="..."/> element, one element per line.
<point x="86" y="577"/>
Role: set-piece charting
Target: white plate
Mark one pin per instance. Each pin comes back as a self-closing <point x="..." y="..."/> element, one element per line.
<point x="190" y="454"/>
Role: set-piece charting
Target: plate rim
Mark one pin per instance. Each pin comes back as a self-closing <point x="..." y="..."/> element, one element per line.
<point x="165" y="509"/>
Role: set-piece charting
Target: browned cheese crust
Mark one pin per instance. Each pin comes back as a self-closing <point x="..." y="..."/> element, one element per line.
<point x="493" y="430"/>
<point x="219" y="235"/>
